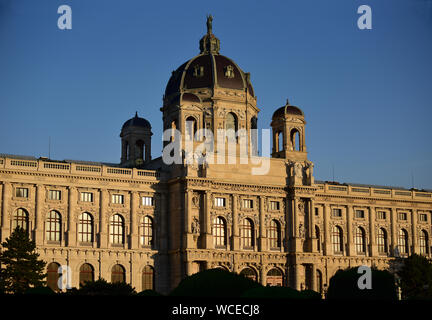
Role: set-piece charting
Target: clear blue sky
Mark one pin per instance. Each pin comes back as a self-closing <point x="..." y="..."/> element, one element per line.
<point x="367" y="94"/>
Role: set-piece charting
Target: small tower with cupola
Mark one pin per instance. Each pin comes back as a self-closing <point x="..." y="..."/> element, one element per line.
<point x="136" y="142"/>
<point x="288" y="129"/>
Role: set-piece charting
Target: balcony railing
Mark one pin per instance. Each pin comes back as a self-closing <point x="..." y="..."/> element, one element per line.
<point x="78" y="169"/>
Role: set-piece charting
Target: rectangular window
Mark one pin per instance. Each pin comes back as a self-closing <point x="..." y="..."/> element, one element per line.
<point x="360" y="214"/>
<point x="22" y="192"/>
<point x="274" y="205"/>
<point x="402" y="216"/>
<point x="247" y="203"/>
<point x="381" y="215"/>
<point x="316" y="211"/>
<point x="147" y="201"/>
<point x="423" y="217"/>
<point x="86" y="196"/>
<point x="219" y="202"/>
<point x="54" y="195"/>
<point x="117" y="198"/>
<point x="337" y="213"/>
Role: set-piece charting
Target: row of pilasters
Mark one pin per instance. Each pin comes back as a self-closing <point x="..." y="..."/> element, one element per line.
<point x="70" y="221"/>
<point x="206" y="232"/>
<point x="349" y="240"/>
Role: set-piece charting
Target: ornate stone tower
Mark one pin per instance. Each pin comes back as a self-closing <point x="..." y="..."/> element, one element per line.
<point x="288" y="124"/>
<point x="136" y="142"/>
<point x="211" y="92"/>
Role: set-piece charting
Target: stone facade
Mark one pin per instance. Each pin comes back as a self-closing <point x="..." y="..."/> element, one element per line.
<point x="162" y="222"/>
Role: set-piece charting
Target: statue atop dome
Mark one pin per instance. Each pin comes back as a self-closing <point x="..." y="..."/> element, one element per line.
<point x="209" y="43"/>
<point x="209" y="24"/>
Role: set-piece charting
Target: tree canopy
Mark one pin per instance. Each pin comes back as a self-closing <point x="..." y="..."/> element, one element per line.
<point x="21" y="268"/>
<point x="415" y="273"/>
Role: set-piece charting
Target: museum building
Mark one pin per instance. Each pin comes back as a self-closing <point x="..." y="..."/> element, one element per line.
<point x="151" y="224"/>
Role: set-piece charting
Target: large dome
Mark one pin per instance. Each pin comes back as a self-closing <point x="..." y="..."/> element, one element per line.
<point x="209" y="69"/>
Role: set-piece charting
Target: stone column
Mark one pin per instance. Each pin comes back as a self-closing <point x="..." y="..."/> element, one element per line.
<point x="39" y="223"/>
<point x="297" y="243"/>
<point x="327" y="244"/>
<point x="262" y="236"/>
<point x="311" y="217"/>
<point x="5" y="223"/>
<point x="163" y="216"/>
<point x="103" y="224"/>
<point x="134" y="223"/>
<point x="311" y="232"/>
<point x="263" y="276"/>
<point x="297" y="278"/>
<point x="288" y="225"/>
<point x="187" y="233"/>
<point x="393" y="219"/>
<point x="350" y="242"/>
<point x="313" y="277"/>
<point x="235" y="231"/>
<point x="208" y="243"/>
<point x="189" y="267"/>
<point x="372" y="240"/>
<point x="71" y="229"/>
<point x="414" y="248"/>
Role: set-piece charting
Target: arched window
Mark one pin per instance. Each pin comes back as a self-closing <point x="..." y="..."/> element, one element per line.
<point x="337" y="239"/>
<point x="127" y="150"/>
<point x="20" y="219"/>
<point x="275" y="278"/>
<point x="231" y="126"/>
<point x="254" y="135"/>
<point x="53" y="226"/>
<point x="53" y="276"/>
<point x="191" y="128"/>
<point x="249" y="273"/>
<point x="117" y="229"/>
<point x="280" y="142"/>
<point x="146" y="231"/>
<point x="382" y="240"/>
<point x="86" y="274"/>
<point x="403" y="241"/>
<point x="274" y="235"/>
<point x="247" y="233"/>
<point x="148" y="278"/>
<point x="118" y="274"/>
<point x="85" y="228"/>
<point x="424" y="242"/>
<point x="219" y="232"/>
<point x="360" y="240"/>
<point x="139" y="150"/>
<point x="295" y="140"/>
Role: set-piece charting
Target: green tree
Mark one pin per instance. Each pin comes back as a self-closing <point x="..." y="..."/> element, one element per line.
<point x="214" y="283"/>
<point x="415" y="277"/>
<point x="20" y="267"/>
<point x="344" y="285"/>
<point x="103" y="288"/>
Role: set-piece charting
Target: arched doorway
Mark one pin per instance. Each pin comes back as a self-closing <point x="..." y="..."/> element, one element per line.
<point x="249" y="273"/>
<point x="148" y="278"/>
<point x="274" y="278"/>
<point x="53" y="276"/>
<point x="118" y="274"/>
<point x="86" y="274"/>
